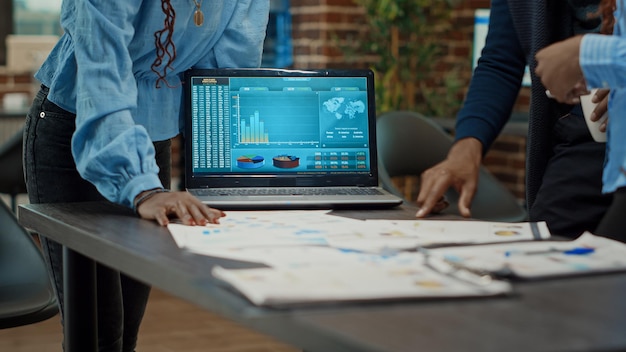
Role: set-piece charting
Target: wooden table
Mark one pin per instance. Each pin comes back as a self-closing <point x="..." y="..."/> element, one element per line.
<point x="576" y="314"/>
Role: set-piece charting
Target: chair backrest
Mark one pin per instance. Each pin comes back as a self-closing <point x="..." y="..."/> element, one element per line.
<point x="409" y="143"/>
<point x="12" y="175"/>
<point x="26" y="293"/>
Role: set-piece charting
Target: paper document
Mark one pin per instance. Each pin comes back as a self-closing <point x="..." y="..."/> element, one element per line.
<point x="313" y="256"/>
<point x="439" y="232"/>
<point x="241" y="230"/>
<point x="253" y="229"/>
<point x="587" y="254"/>
<point x="401" y="276"/>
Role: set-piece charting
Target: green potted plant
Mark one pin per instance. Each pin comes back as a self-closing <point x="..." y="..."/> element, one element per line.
<point x="401" y="43"/>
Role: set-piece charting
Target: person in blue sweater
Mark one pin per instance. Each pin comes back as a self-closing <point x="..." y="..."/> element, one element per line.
<point x="110" y="100"/>
<point x="564" y="163"/>
<point x="601" y="63"/>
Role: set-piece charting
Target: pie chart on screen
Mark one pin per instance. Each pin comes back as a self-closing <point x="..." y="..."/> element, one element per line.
<point x="250" y="161"/>
<point x="286" y="161"/>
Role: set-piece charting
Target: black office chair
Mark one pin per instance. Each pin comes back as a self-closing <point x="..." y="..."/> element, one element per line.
<point x="409" y="143"/>
<point x="26" y="293"/>
<point x="12" y="175"/>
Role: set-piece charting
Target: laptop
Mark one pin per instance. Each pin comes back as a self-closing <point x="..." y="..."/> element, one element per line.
<point x="282" y="139"/>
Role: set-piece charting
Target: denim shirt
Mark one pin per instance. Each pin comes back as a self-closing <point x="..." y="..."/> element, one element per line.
<point x="603" y="61"/>
<point x="100" y="70"/>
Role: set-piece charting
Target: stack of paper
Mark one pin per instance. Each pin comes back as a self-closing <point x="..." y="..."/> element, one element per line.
<point x="255" y="229"/>
<point x="313" y="256"/>
<point x="356" y="277"/>
<point x="585" y="255"/>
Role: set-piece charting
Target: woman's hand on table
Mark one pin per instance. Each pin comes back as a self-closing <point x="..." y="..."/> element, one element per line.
<point x="163" y="205"/>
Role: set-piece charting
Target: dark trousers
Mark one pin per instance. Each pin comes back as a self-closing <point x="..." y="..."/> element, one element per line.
<point x="613" y="224"/>
<point x="570" y="199"/>
<point x="51" y="177"/>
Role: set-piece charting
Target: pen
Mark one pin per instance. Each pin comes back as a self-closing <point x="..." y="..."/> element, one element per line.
<point x="573" y="251"/>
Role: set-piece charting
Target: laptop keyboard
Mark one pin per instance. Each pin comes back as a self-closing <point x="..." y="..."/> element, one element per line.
<point x="288" y="191"/>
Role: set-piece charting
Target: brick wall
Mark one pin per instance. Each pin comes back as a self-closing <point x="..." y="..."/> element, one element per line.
<point x="15" y="82"/>
<point x="12" y="120"/>
<point x="315" y="23"/>
<point x="506" y="161"/>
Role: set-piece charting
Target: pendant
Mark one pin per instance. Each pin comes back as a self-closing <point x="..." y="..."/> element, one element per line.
<point x="198" y="17"/>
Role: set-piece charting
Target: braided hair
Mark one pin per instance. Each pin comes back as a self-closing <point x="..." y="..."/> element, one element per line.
<point x="165" y="48"/>
<point x="607" y="8"/>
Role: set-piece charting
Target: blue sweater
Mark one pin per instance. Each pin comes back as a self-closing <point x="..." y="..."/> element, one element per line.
<point x="497" y="79"/>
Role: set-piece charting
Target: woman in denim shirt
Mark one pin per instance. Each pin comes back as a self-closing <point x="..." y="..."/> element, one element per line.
<point x="100" y="127"/>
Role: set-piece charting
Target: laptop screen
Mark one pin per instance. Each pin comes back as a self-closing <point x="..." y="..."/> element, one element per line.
<point x="268" y="127"/>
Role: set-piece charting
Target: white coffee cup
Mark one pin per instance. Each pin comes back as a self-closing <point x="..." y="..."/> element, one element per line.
<point x="594" y="126"/>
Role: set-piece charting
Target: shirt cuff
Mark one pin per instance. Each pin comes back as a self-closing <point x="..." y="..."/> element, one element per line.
<point x="597" y="60"/>
<point x="137" y="185"/>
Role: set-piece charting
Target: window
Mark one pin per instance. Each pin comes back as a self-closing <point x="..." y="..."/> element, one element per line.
<point x="277" y="49"/>
<point x="36" y="17"/>
<point x="481" y="26"/>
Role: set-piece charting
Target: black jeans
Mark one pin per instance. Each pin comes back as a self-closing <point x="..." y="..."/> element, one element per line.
<point x="570" y="199"/>
<point x="51" y="177"/>
<point x="613" y="224"/>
